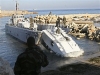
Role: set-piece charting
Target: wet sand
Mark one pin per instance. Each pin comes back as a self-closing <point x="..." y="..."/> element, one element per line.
<point x="88" y="67"/>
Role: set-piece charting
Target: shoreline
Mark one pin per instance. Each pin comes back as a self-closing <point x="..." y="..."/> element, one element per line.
<point x="80" y="67"/>
<point x="80" y="15"/>
<point x="5" y="13"/>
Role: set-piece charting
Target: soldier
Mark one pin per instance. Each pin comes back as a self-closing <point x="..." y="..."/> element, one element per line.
<point x="46" y="20"/>
<point x="58" y="22"/>
<point x="64" y="21"/>
<point x="58" y="30"/>
<point x="31" y="22"/>
<point x="12" y="19"/>
<point x="50" y="13"/>
<point x="39" y="20"/>
<point x="30" y="61"/>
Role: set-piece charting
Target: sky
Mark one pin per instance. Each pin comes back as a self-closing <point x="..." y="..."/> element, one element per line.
<point x="50" y="4"/>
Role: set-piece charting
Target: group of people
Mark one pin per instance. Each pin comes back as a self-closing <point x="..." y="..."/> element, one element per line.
<point x="59" y="20"/>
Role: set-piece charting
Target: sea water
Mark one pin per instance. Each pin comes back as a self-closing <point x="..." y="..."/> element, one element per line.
<point x="68" y="11"/>
<point x="10" y="47"/>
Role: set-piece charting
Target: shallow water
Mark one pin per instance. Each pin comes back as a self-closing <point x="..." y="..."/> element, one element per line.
<point x="10" y="48"/>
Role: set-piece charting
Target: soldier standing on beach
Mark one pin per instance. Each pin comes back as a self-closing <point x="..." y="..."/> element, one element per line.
<point x="39" y="20"/>
<point x="64" y="21"/>
<point x="58" y="22"/>
<point x="46" y="20"/>
<point x="31" y="22"/>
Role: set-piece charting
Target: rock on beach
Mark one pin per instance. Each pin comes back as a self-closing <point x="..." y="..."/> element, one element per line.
<point x="5" y="68"/>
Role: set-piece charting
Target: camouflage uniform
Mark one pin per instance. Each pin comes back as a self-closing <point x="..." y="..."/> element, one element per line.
<point x="64" y="21"/>
<point x="58" y="31"/>
<point x="31" y="22"/>
<point x="58" y="20"/>
<point x="30" y="62"/>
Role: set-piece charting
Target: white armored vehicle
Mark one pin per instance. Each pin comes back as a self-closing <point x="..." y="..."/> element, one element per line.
<point x="59" y="42"/>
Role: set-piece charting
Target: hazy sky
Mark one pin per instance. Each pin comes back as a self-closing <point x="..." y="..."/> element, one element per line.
<point x="50" y="4"/>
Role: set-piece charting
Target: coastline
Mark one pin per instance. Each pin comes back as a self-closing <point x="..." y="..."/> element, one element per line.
<point x="80" y="68"/>
<point x="5" y="13"/>
<point x="79" y="15"/>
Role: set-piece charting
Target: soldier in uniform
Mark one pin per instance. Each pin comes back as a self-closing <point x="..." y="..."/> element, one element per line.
<point x="12" y="19"/>
<point x="58" y="30"/>
<point x="46" y="20"/>
<point x="58" y="22"/>
<point x="64" y="21"/>
<point x="30" y="61"/>
<point x="31" y="22"/>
